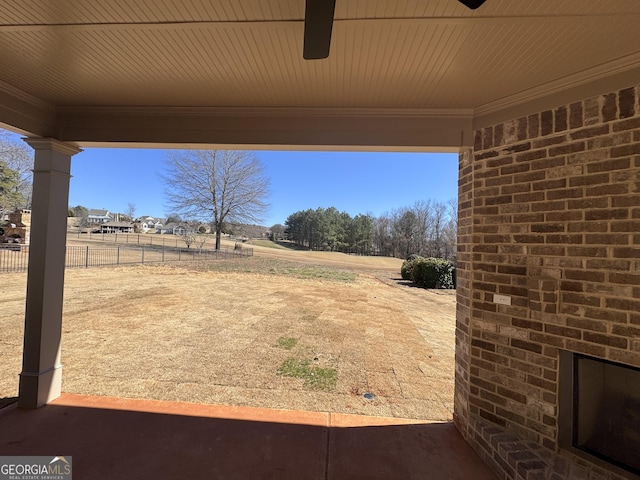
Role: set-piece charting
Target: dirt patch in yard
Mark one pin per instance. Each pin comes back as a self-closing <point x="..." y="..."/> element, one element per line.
<point x="332" y="335"/>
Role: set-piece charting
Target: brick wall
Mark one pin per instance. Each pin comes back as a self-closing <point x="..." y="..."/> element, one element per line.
<point x="550" y="217"/>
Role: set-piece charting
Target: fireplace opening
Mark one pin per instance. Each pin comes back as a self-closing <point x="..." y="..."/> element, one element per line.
<point x="601" y="409"/>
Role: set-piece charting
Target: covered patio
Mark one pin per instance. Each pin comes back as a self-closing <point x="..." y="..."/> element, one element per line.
<point x="541" y="101"/>
<point x="114" y="438"/>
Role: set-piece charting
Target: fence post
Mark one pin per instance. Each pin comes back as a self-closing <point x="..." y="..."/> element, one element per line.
<point x="143" y="255"/>
<point x="162" y="253"/>
<point x="86" y="258"/>
<point x="118" y="256"/>
<point x="179" y="254"/>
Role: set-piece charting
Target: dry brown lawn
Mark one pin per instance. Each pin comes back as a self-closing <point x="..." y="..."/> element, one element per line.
<point x="220" y="334"/>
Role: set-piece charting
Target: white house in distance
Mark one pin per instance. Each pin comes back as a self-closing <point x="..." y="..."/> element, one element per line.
<point x="98" y="216"/>
<point x="148" y="223"/>
<point x="116" y="227"/>
<point x="174" y="229"/>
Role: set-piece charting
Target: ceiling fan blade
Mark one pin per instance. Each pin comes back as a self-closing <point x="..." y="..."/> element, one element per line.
<point x="318" y="23"/>
<point x="472" y="4"/>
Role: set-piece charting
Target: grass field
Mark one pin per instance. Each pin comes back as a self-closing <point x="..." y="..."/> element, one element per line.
<point x="283" y="329"/>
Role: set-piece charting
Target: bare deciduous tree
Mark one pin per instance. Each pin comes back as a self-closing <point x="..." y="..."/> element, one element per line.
<point x="17" y="159"/>
<point x="131" y="211"/>
<point x="200" y="241"/>
<point x="423" y="210"/>
<point x="188" y="238"/>
<point x="437" y="241"/>
<point x="216" y="185"/>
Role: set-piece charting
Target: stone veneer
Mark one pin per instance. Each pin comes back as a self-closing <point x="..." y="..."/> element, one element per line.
<point x="549" y="215"/>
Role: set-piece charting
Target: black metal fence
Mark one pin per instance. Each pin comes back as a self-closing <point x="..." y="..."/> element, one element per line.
<point x="15" y="258"/>
<point x="133" y="238"/>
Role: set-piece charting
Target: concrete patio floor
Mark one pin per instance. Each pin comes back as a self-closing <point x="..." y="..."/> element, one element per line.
<point x="115" y="438"/>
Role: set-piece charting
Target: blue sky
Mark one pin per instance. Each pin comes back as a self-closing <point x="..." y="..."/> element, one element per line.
<point x="354" y="182"/>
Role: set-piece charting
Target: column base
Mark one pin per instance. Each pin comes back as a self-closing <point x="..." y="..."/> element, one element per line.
<point x="38" y="389"/>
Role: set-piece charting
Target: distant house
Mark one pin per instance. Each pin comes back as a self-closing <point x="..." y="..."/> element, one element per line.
<point x="116" y="227"/>
<point x="98" y="216"/>
<point x="166" y="229"/>
<point x="150" y="225"/>
<point x="175" y="229"/>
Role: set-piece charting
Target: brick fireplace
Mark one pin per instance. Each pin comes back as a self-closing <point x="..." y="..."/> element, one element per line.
<point x="548" y="266"/>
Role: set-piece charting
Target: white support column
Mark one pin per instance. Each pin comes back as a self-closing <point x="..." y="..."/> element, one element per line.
<point x="41" y="377"/>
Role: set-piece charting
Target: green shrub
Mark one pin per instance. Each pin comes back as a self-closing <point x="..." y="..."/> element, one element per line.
<point x="407" y="266"/>
<point x="432" y="273"/>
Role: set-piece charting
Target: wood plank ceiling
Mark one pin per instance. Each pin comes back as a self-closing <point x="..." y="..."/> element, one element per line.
<point x="385" y="54"/>
<point x="400" y="54"/>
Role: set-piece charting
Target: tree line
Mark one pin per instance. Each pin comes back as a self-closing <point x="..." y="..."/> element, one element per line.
<point x="427" y="228"/>
<point x="329" y="229"/>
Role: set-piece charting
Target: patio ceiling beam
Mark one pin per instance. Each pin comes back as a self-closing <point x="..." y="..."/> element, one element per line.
<point x="25" y="113"/>
<point x="291" y="128"/>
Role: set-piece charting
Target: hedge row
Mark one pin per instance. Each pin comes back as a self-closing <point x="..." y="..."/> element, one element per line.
<point x="428" y="272"/>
